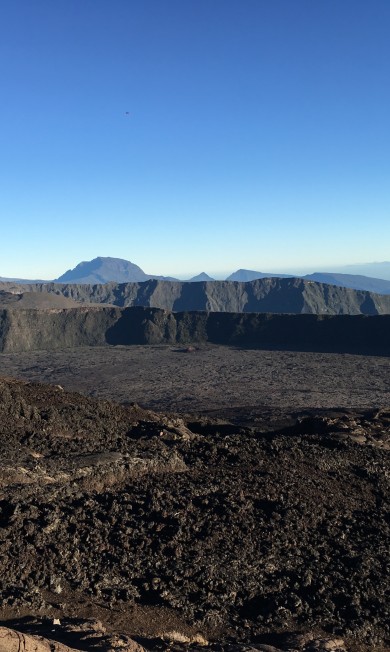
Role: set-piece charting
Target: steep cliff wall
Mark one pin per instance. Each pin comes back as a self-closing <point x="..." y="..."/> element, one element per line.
<point x="277" y="295"/>
<point x="25" y="330"/>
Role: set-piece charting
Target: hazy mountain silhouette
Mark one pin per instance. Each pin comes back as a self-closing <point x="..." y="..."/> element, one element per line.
<point x="377" y="285"/>
<point x="245" y="275"/>
<point x="353" y="281"/>
<point x="375" y="270"/>
<point x="106" y="269"/>
<point x="103" y="270"/>
<point x="201" y="277"/>
<point x="4" y="279"/>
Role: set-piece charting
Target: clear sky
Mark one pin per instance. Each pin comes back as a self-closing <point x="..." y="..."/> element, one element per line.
<point x="194" y="135"/>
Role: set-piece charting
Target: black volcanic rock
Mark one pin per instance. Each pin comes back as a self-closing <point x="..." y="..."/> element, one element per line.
<point x="50" y="329"/>
<point x="242" y="532"/>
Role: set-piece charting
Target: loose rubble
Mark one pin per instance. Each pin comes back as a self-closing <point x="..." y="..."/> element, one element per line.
<point x="266" y="536"/>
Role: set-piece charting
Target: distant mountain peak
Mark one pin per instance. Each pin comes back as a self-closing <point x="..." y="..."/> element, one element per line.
<point x="245" y="275"/>
<point x="201" y="277"/>
<point x="104" y="269"/>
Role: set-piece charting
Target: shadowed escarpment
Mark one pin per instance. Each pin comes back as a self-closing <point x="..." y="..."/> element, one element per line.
<point x="26" y="330"/>
<point x="277" y="295"/>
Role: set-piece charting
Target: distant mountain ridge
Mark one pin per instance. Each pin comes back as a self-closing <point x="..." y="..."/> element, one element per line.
<point x="245" y="275"/>
<point x="103" y="270"/>
<point x="271" y="295"/>
<point x="353" y="281"/>
<point x="25" y="281"/>
<point x="375" y="270"/>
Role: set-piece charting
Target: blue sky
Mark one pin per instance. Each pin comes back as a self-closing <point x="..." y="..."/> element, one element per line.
<point x="258" y="134"/>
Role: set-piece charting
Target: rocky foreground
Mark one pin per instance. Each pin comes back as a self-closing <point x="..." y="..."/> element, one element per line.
<point x="168" y="532"/>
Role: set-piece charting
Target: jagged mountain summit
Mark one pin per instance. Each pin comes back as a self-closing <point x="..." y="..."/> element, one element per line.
<point x="107" y="269"/>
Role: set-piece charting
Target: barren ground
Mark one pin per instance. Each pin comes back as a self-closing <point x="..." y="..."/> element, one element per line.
<point x="210" y="377"/>
<point x="264" y="515"/>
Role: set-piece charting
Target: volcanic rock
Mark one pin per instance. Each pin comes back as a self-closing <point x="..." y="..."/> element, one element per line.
<point x="26" y="330"/>
<point x="162" y="522"/>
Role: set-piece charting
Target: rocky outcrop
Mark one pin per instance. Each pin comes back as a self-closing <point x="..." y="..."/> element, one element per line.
<point x="86" y="635"/>
<point x="26" y="330"/>
<point x="277" y="295"/>
<point x="97" y="640"/>
<point x="13" y="641"/>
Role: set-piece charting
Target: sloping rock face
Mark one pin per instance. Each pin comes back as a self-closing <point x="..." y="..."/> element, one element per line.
<point x="26" y="330"/>
<point x="35" y="300"/>
<point x="277" y="295"/>
<point x="231" y="531"/>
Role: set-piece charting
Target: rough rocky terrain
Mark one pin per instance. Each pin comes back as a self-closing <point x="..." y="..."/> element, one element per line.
<point x="268" y="531"/>
<point x="274" y="295"/>
<point x="220" y="380"/>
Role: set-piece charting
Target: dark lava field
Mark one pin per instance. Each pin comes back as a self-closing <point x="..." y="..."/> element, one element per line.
<point x="229" y="498"/>
<point x="206" y="378"/>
